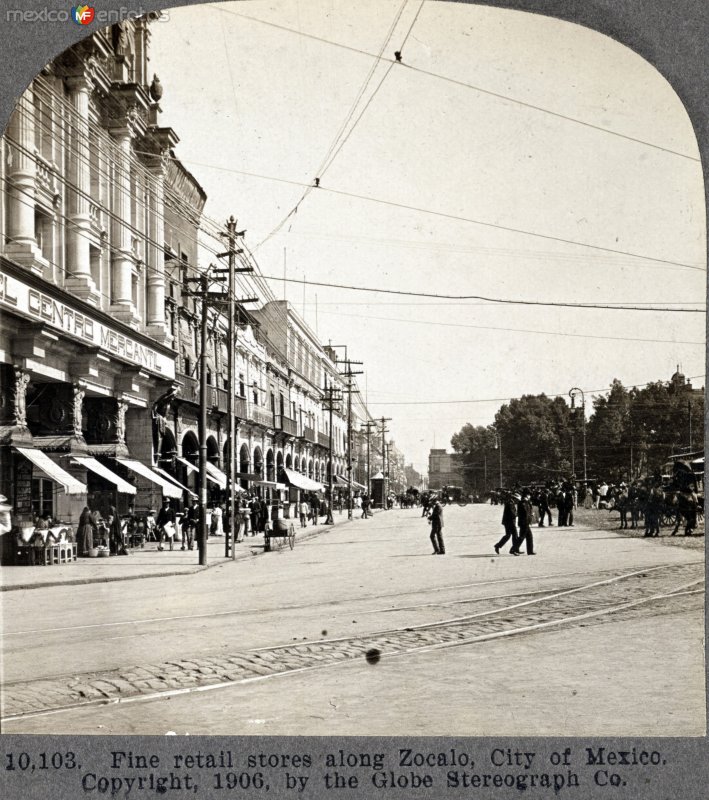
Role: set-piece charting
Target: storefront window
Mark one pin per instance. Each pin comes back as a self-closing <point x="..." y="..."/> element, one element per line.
<point x="42" y="497"/>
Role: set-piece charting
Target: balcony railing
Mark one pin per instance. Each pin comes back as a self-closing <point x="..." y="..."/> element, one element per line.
<point x="309" y="434"/>
<point x="323" y="439"/>
<point x="241" y="409"/>
<point x="263" y="416"/>
<point x="217" y="398"/>
<point x="286" y="424"/>
<point x="191" y="389"/>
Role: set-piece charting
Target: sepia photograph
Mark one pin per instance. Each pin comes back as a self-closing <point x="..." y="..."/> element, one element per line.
<point x="352" y="380"/>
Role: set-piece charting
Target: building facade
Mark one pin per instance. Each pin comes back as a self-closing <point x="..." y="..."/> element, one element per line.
<point x="100" y="339"/>
<point x="444" y="469"/>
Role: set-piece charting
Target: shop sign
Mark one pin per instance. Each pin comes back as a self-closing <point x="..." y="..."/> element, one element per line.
<point x="44" y="308"/>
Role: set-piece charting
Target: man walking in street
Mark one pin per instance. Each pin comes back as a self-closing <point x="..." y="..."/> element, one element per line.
<point x="435" y="517"/>
<point x="365" y="506"/>
<point x="509" y="515"/>
<point x="524" y="520"/>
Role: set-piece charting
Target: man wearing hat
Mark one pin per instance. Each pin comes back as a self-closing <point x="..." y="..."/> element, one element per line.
<point x="524" y="519"/>
<point x="509" y="515"/>
<point x="165" y="516"/>
<point x="435" y="517"/>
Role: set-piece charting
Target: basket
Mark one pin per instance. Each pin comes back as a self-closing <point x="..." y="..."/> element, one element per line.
<point x="103" y="552"/>
<point x="93" y="552"/>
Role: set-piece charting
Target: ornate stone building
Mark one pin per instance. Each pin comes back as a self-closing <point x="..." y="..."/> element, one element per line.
<point x="100" y="227"/>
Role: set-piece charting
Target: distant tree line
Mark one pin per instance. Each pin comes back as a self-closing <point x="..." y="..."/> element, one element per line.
<point x="630" y="433"/>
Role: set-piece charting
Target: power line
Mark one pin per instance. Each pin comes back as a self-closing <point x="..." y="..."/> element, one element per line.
<point x="506" y="399"/>
<point x="511" y="330"/>
<point x="508" y="228"/>
<point x="460" y="83"/>
<point x="498" y="300"/>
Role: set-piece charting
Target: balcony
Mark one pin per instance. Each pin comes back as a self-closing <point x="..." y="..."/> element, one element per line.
<point x="241" y="409"/>
<point x="261" y="415"/>
<point x="323" y="439"/>
<point x="217" y="398"/>
<point x="286" y="424"/>
<point x="309" y="434"/>
<point x="190" y="392"/>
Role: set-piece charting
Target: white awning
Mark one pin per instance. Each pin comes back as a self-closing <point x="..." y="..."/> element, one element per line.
<point x="96" y="466"/>
<point x="190" y="467"/>
<point x="215" y="475"/>
<point x="53" y="471"/>
<point x="341" y="479"/>
<point x="271" y="485"/>
<point x="301" y="482"/>
<point x="173" y="480"/>
<point x="168" y="489"/>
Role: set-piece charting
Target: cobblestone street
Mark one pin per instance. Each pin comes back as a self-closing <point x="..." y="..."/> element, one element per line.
<point x="411" y="608"/>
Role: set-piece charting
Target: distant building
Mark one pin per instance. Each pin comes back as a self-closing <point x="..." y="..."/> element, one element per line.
<point x="444" y="469"/>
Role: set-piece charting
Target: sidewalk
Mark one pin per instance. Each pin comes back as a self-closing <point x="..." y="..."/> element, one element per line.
<point x="147" y="562"/>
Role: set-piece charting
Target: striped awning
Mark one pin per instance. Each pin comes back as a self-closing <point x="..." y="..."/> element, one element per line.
<point x="169" y="489"/>
<point x="96" y="466"/>
<point x="169" y="477"/>
<point x="53" y="471"/>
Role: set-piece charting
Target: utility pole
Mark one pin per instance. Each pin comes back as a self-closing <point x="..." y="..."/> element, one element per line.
<point x="349" y="373"/>
<point x="207" y="299"/>
<point x="367" y="429"/>
<point x="384" y="431"/>
<point x="572" y="394"/>
<point x="330" y="400"/>
<point x="232" y="252"/>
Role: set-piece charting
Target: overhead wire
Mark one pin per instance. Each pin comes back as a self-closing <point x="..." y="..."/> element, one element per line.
<point x="474" y="87"/>
<point x="513" y="330"/>
<point x="497" y="300"/>
<point x="604" y="390"/>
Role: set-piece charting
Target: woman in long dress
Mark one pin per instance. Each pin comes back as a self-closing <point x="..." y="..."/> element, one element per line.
<point x="85" y="535"/>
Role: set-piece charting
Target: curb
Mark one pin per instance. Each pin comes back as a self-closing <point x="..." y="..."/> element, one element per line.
<point x="311" y="534"/>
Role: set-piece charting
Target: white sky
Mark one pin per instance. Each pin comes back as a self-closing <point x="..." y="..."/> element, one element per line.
<point x="247" y="96"/>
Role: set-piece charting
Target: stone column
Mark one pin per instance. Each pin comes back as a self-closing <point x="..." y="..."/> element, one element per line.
<point x="122" y="257"/>
<point x="79" y="280"/>
<point x="21" y="179"/>
<point x="156" y="323"/>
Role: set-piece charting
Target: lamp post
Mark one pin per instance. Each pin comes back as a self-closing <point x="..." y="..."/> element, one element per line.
<point x="498" y="447"/>
<point x="572" y="394"/>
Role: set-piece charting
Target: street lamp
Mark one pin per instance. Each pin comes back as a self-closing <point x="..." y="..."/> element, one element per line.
<point x="498" y="447"/>
<point x="572" y="394"/>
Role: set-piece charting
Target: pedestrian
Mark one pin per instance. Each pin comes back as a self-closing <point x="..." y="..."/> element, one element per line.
<point x="165" y="523"/>
<point x="254" y="514"/>
<point x="365" y="506"/>
<point x="215" y="527"/>
<point x="264" y="515"/>
<point x="304" y="510"/>
<point x="569" y="505"/>
<point x="315" y="505"/>
<point x="85" y="532"/>
<point x="524" y="520"/>
<point x="509" y="516"/>
<point x="189" y="523"/>
<point x="435" y="517"/>
<point x="115" y="534"/>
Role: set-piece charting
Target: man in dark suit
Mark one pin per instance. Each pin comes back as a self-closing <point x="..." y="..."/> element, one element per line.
<point x="435" y="517"/>
<point x="524" y="520"/>
<point x="509" y="516"/>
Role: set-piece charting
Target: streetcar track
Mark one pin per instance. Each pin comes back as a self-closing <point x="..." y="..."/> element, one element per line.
<point x="681" y="590"/>
<point x="303" y="606"/>
<point x="22" y="699"/>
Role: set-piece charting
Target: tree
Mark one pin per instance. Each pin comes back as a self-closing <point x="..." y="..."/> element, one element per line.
<point x="475" y="442"/>
<point x="535" y="434"/>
